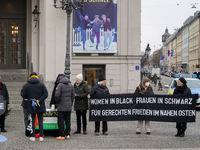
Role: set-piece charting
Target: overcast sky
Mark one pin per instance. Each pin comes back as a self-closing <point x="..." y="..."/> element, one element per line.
<point x="156" y="15"/>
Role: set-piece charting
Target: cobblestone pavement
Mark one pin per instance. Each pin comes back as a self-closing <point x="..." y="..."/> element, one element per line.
<point x="121" y="136"/>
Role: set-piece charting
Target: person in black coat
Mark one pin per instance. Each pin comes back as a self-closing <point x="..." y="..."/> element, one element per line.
<point x="183" y="90"/>
<point x="53" y="101"/>
<point x="34" y="89"/>
<point x="144" y="89"/>
<point x="99" y="89"/>
<point x="81" y="103"/>
<point x="25" y="109"/>
<point x="64" y="96"/>
<point x="4" y="92"/>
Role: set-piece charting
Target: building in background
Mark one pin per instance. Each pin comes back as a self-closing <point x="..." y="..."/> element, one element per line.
<point x="185" y="44"/>
<point x="45" y="44"/>
<point x="193" y="43"/>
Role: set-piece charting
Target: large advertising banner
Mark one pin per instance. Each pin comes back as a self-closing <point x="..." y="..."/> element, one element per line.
<point x="95" y="27"/>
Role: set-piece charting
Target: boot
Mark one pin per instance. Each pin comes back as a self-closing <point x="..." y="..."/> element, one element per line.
<point x="77" y="132"/>
<point x="97" y="46"/>
<point x="178" y="133"/>
<point x="182" y="133"/>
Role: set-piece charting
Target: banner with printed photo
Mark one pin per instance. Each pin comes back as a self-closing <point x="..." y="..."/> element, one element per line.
<point x="95" y="27"/>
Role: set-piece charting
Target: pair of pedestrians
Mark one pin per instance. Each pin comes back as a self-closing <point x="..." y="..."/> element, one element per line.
<point x="35" y="93"/>
<point x="145" y="89"/>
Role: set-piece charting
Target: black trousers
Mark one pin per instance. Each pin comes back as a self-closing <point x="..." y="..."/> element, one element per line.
<point x="64" y="116"/>
<point x="82" y="113"/>
<point x="40" y="120"/>
<point x="25" y="110"/>
<point x="2" y="121"/>
<point x="104" y="126"/>
<point x="181" y="126"/>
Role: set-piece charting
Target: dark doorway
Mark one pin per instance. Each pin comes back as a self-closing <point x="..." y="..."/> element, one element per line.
<point x="12" y="34"/>
<point x="92" y="73"/>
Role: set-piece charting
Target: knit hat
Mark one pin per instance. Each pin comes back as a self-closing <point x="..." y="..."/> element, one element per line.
<point x="101" y="78"/>
<point x="80" y="76"/>
<point x="96" y="16"/>
<point x="182" y="80"/>
<point x="145" y="79"/>
<point x="33" y="73"/>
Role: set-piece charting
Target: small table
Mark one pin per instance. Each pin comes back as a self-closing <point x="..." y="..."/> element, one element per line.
<point x="49" y="120"/>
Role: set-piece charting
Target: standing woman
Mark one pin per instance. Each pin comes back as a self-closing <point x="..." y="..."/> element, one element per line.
<point x="81" y="103"/>
<point x="100" y="89"/>
<point x="144" y="89"/>
<point x="4" y="92"/>
<point x="184" y="90"/>
<point x="64" y="96"/>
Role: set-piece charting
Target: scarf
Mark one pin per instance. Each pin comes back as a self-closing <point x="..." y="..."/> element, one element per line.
<point x="34" y="76"/>
<point x="77" y="84"/>
<point x="181" y="89"/>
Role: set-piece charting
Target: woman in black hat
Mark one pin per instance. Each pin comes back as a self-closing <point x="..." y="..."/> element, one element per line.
<point x="99" y="89"/>
<point x="181" y="89"/>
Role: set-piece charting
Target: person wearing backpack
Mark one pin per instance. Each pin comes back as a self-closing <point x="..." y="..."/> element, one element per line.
<point x="144" y="89"/>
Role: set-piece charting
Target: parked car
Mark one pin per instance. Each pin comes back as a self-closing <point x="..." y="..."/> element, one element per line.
<point x="192" y="82"/>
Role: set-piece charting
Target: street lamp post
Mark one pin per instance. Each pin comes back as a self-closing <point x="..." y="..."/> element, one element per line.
<point x="68" y="6"/>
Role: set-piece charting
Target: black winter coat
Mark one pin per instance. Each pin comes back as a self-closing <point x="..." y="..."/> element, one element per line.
<point x="182" y="90"/>
<point x="64" y="94"/>
<point x="35" y="89"/>
<point x="98" y="90"/>
<point x="81" y="103"/>
<point x="53" y="101"/>
<point x="140" y="90"/>
<point x="4" y="92"/>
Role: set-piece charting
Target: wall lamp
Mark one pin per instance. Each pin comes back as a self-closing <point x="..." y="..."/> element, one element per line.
<point x="36" y="14"/>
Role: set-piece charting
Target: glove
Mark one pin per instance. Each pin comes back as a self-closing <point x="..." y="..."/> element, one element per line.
<point x="33" y="105"/>
<point x="77" y="96"/>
